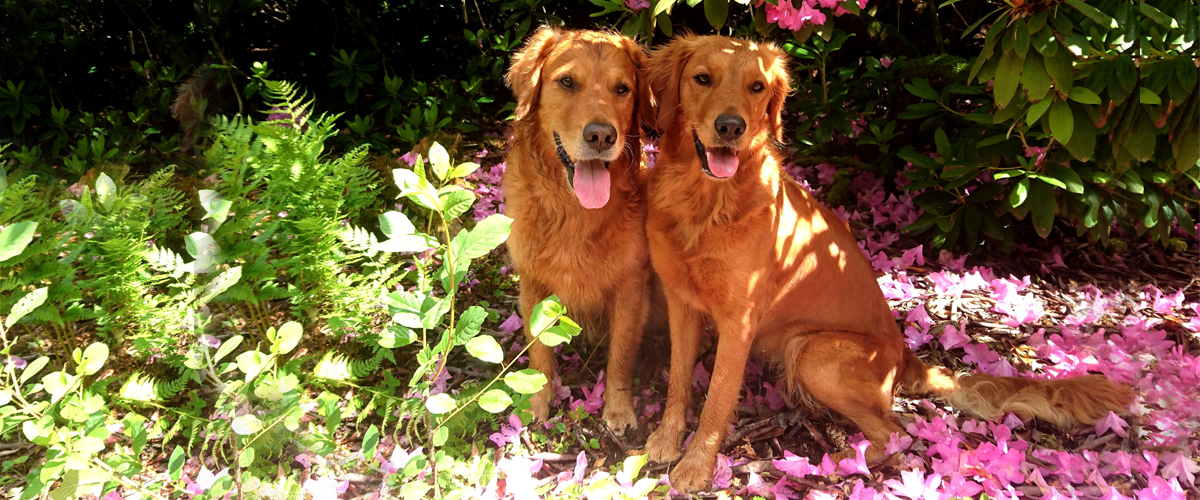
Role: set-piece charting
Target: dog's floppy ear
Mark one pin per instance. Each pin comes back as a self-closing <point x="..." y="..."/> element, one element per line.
<point x="525" y="73"/>
<point x="637" y="55"/>
<point x="663" y="76"/>
<point x="781" y="87"/>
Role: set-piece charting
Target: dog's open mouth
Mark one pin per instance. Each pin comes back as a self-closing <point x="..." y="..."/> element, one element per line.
<point x="589" y="178"/>
<point x="720" y="162"/>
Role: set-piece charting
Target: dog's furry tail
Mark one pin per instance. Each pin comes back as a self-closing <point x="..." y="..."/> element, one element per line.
<point x="1066" y="403"/>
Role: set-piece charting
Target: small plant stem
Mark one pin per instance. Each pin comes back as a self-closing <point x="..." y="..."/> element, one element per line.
<point x="237" y="467"/>
<point x="485" y="388"/>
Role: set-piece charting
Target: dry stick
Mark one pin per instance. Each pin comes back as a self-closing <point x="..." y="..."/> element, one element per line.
<point x="817" y="435"/>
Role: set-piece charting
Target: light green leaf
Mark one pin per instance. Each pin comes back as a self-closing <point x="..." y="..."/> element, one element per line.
<point x="414" y="490"/>
<point x="93" y="359"/>
<point x="14" y="239"/>
<point x="564" y="331"/>
<point x="440" y="436"/>
<point x="545" y="314"/>
<point x="203" y="248"/>
<point x="81" y="483"/>
<point x="287" y="338"/>
<point x="632" y="466"/>
<point x="106" y="190"/>
<point x="527" y="381"/>
<point x="221" y="283"/>
<point x="246" y="458"/>
<point x="469" y="323"/>
<point x="33" y="368"/>
<point x="487" y="235"/>
<point x="411" y="243"/>
<point x="456" y="202"/>
<point x="463" y="170"/>
<point x="175" y="463"/>
<point x="440" y="404"/>
<point x="395" y="224"/>
<point x="495" y="401"/>
<point x="246" y="424"/>
<point x="58" y="384"/>
<point x="1062" y="122"/>
<point x="25" y="306"/>
<point x="252" y="363"/>
<point x="370" y="441"/>
<point x="486" y="348"/>
<point x="227" y="347"/>
<point x="439" y="159"/>
<point x="396" y="336"/>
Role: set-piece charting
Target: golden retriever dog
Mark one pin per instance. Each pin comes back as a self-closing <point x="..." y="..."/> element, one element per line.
<point x="575" y="189"/>
<point x="738" y="243"/>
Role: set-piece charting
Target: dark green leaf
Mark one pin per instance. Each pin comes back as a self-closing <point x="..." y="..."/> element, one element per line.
<point x="1018" y="194"/>
<point x="1034" y="77"/>
<point x="1083" y="95"/>
<point x="920" y="88"/>
<point x="1042" y="196"/>
<point x="1008" y="75"/>
<point x="1067" y="176"/>
<point x="1062" y="122"/>
<point x="716" y="11"/>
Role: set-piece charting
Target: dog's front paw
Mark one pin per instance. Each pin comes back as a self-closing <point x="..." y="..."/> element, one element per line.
<point x="693" y="473"/>
<point x="663" y="445"/>
<point x="619" y="417"/>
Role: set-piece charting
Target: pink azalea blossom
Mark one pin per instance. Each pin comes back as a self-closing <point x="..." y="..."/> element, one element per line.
<point x="916" y="486"/>
<point x="886" y="62"/>
<point x="722" y="472"/>
<point x="512" y="324"/>
<point x="325" y="488"/>
<point x="858" y="464"/>
<point x="510" y="433"/>
<point x="1112" y="422"/>
<point x="953" y="337"/>
<point x="205" y="480"/>
<point x="794" y="465"/>
<point x="593" y="399"/>
<point x="700" y="377"/>
<point x="636" y="5"/>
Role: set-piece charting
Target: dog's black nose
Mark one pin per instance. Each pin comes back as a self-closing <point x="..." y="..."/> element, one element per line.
<point x="730" y="127"/>
<point x="600" y="136"/>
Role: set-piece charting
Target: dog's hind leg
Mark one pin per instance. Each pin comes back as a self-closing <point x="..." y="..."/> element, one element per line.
<point x="852" y="374"/>
<point x="627" y="313"/>
<point x="541" y="358"/>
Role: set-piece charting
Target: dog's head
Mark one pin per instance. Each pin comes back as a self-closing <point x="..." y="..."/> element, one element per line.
<point x="725" y="94"/>
<point x="580" y="88"/>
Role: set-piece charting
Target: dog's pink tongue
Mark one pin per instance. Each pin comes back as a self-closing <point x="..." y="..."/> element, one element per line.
<point x="591" y="183"/>
<point x="722" y="162"/>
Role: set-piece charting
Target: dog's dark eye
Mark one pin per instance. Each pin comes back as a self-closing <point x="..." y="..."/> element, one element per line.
<point x="756" y="87"/>
<point x="566" y="82"/>
<point x="622" y="89"/>
<point x="702" y="79"/>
